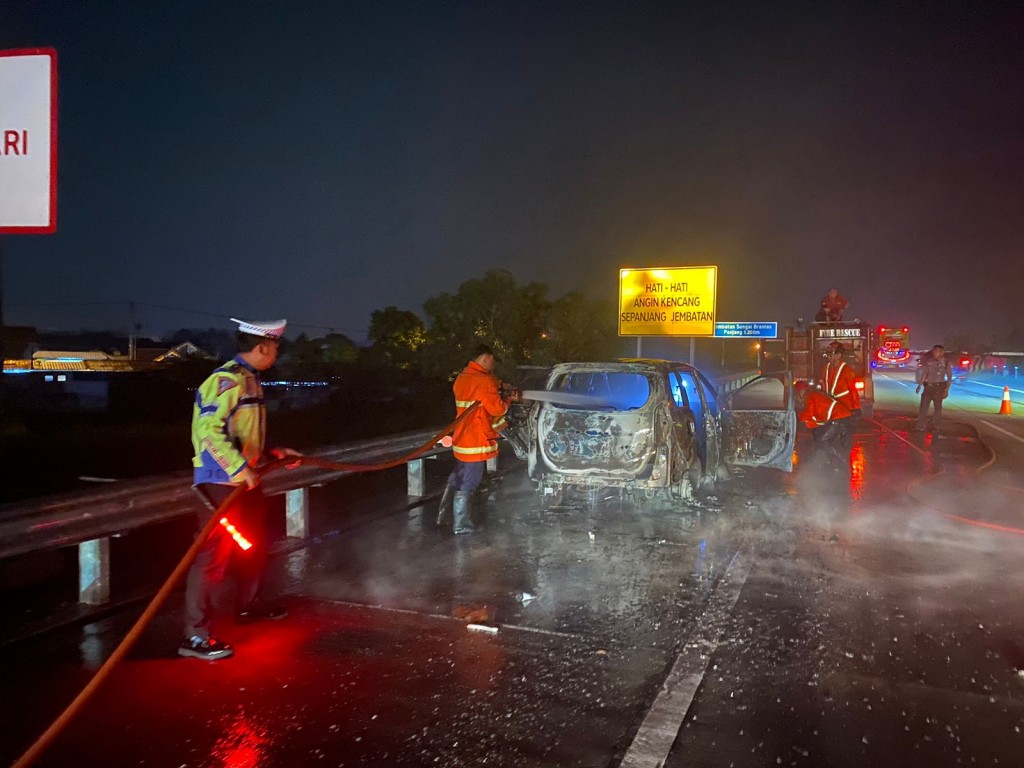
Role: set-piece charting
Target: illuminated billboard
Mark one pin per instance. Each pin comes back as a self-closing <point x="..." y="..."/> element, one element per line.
<point x="673" y="301"/>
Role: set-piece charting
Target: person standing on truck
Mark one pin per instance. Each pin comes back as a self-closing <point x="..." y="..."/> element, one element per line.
<point x="828" y="421"/>
<point x="832" y="307"/>
<point x="228" y="434"/>
<point x="933" y="377"/>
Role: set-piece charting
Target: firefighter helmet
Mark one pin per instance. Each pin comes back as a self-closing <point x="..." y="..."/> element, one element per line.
<point x="834" y="348"/>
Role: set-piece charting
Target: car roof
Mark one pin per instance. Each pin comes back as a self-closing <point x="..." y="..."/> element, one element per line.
<point x="627" y="364"/>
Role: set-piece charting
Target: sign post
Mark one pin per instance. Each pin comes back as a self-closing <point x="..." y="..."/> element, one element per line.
<point x="671" y="301"/>
<point x="28" y="152"/>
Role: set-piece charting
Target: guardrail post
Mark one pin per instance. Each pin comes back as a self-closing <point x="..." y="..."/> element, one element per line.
<point x="94" y="571"/>
<point x="415" y="477"/>
<point x="296" y="505"/>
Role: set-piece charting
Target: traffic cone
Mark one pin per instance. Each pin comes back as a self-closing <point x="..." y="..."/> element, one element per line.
<point x="1005" y="407"/>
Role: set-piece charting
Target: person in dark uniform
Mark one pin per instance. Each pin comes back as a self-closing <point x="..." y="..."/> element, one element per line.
<point x="933" y="377"/>
<point x="228" y="436"/>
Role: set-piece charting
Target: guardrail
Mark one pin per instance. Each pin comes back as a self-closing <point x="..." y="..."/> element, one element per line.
<point x="734" y="381"/>
<point x="88" y="519"/>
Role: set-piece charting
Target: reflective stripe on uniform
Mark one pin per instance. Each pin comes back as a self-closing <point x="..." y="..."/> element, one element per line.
<point x="828" y="416"/>
<point x="474" y="451"/>
<point x="464" y="403"/>
<point x="831" y="388"/>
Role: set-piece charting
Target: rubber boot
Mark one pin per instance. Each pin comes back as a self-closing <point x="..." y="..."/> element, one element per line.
<point x="460" y="507"/>
<point x="444" y="509"/>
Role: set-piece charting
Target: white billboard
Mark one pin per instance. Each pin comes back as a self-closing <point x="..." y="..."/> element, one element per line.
<point x="28" y="141"/>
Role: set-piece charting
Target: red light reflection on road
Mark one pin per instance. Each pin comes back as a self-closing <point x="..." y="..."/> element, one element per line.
<point x="857" y="464"/>
<point x="242" y="745"/>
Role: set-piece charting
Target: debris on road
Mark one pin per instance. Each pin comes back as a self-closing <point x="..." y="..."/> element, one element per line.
<point x="471" y="613"/>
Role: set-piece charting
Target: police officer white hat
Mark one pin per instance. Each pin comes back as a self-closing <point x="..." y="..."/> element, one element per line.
<point x="267" y="329"/>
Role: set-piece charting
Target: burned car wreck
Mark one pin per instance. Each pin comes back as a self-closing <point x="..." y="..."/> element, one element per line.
<point x="651" y="428"/>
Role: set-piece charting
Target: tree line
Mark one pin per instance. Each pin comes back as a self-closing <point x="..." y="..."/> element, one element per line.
<point x="519" y="321"/>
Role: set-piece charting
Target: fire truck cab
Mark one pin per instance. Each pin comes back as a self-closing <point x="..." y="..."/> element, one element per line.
<point x="805" y="354"/>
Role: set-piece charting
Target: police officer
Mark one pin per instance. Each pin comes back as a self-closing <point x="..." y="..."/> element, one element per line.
<point x="475" y="440"/>
<point x="228" y="437"/>
<point x="933" y="377"/>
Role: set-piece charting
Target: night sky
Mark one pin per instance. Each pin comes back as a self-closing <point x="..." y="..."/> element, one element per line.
<point x="318" y="161"/>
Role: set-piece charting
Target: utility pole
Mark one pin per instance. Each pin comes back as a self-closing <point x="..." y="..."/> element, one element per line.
<point x="131" y="332"/>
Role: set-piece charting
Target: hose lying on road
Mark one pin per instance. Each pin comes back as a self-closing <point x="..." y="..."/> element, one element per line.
<point x="920" y="481"/>
<point x="48" y="736"/>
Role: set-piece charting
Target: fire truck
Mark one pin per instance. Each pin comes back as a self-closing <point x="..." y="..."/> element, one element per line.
<point x="803" y="354"/>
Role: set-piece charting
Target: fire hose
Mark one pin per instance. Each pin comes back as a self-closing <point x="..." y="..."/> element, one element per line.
<point x="917" y="482"/>
<point x="48" y="736"/>
<point x="920" y="481"/>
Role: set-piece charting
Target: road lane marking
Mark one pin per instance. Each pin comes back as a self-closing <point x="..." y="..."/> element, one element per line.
<point x="658" y="731"/>
<point x="890" y="378"/>
<point x="454" y="619"/>
<point x="994" y="386"/>
<point x="1018" y="438"/>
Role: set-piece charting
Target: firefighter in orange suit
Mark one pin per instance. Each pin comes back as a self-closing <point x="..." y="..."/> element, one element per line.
<point x="828" y="420"/>
<point x="475" y="440"/>
<point x="838" y="379"/>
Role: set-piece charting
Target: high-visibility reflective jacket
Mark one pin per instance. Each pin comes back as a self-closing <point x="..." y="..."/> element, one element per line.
<point x="229" y="423"/>
<point x="840" y="382"/>
<point x="819" y="409"/>
<point x="476" y="439"/>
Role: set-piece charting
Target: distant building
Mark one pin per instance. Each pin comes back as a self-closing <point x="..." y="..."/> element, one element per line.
<point x="72" y="380"/>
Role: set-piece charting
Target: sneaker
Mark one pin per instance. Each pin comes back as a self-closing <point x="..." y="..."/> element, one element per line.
<point x="209" y="648"/>
<point x="261" y="612"/>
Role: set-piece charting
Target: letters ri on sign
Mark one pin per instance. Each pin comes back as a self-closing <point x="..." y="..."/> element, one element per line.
<point x="14" y="143"/>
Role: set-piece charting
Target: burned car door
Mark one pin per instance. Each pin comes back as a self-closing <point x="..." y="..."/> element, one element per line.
<point x="704" y="405"/>
<point x="684" y="420"/>
<point x="759" y="423"/>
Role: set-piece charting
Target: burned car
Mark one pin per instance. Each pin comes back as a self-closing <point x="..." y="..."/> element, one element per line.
<point x="654" y="428"/>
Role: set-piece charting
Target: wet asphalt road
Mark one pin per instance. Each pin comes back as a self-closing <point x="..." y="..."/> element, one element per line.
<point x="808" y="619"/>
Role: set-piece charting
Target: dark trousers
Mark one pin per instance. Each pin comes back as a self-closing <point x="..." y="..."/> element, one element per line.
<point x="834" y="441"/>
<point x="466" y="476"/>
<point x="249" y="515"/>
<point x="931" y="394"/>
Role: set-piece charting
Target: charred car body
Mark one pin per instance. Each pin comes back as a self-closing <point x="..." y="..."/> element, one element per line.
<point x="652" y="427"/>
